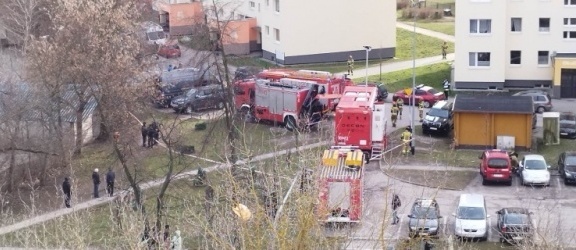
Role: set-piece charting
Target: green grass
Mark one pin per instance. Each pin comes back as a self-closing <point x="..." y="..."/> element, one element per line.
<point x="432" y="75"/>
<point x="442" y="27"/>
<point x="249" y="61"/>
<point x="551" y="152"/>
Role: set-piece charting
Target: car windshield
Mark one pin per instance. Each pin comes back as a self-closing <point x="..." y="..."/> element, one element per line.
<point x="439" y="113"/>
<point x="567" y="117"/>
<point x="155" y="35"/>
<point x="568" y="124"/>
<point x="535" y="164"/>
<point x="498" y="163"/>
<point x="516" y="219"/>
<point x="424" y="213"/>
<point x="570" y="162"/>
<point x="191" y="92"/>
<point x="471" y="213"/>
<point x="432" y="91"/>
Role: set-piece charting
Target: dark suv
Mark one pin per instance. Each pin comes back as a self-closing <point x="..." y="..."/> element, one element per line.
<point x="438" y="119"/>
<point x="567" y="166"/>
<point x="201" y="98"/>
<point x="514" y="224"/>
<point x="177" y="82"/>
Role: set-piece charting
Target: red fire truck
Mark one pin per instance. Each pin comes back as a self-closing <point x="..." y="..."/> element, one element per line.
<point x="341" y="185"/>
<point x="330" y="83"/>
<point x="360" y="121"/>
<point x="292" y="102"/>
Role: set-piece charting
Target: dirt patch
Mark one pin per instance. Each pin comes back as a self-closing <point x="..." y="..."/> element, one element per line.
<point x="455" y="180"/>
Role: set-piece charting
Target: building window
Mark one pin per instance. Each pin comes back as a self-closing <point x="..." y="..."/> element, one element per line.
<point x="277" y="35"/>
<point x="569" y="21"/>
<point x="570" y="2"/>
<point x="515" y="57"/>
<point x="482" y="26"/>
<point x="516" y="24"/>
<point x="479" y="59"/>
<point x="543" y="57"/>
<point x="569" y="35"/>
<point x="252" y="5"/>
<point x="277" y="5"/>
<point x="267" y="30"/>
<point x="544" y="24"/>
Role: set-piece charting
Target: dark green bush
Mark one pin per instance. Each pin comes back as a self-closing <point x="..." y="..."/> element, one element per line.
<point x="200" y="126"/>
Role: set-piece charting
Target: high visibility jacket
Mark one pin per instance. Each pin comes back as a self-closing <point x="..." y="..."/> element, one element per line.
<point x="400" y="102"/>
<point x="421" y="105"/>
<point x="406" y="136"/>
<point x="394" y="111"/>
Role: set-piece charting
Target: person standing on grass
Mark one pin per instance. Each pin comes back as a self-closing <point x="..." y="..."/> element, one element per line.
<point x="96" y="182"/>
<point x="110" y="178"/>
<point x="67" y="190"/>
<point x="166" y="237"/>
<point x="151" y="131"/>
<point x="144" y="132"/>
<point x="444" y="49"/>
<point x="396" y="203"/>
<point x="350" y="64"/>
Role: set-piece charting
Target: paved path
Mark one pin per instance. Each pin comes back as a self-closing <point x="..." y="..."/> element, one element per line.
<point x="435" y="34"/>
<point x="103" y="200"/>
<point x="427" y="168"/>
<point x="360" y="71"/>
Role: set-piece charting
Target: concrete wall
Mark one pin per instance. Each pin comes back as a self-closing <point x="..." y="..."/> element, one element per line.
<point x="183" y="17"/>
<point x="502" y="40"/>
<point x="480" y="130"/>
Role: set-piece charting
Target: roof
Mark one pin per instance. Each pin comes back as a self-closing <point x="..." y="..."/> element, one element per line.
<point x="533" y="157"/>
<point x="472" y="200"/>
<point x="358" y="96"/>
<point x="425" y="202"/>
<point x="493" y="104"/>
<point x="515" y="210"/>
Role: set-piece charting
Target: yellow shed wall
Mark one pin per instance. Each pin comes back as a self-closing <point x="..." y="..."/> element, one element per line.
<point x="481" y="130"/>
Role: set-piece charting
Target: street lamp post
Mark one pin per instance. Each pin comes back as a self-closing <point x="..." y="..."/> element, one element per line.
<point x="368" y="48"/>
<point x="413" y="101"/>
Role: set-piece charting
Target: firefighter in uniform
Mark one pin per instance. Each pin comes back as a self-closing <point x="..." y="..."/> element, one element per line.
<point x="350" y="65"/>
<point x="400" y="103"/>
<point x="406" y="137"/>
<point x="394" y="114"/>
<point x="421" y="110"/>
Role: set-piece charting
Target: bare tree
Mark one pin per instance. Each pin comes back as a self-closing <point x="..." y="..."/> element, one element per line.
<point x="22" y="19"/>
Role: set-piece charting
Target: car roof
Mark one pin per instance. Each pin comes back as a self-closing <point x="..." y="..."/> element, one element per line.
<point x="426" y="88"/>
<point x="531" y="92"/>
<point x="515" y="210"/>
<point x="442" y="105"/>
<point x="425" y="202"/>
<point x="496" y="153"/>
<point x="570" y="153"/>
<point x="471" y="200"/>
<point x="534" y="157"/>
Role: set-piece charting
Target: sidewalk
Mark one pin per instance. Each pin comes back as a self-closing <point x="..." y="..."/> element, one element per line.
<point x="103" y="200"/>
<point x="409" y="27"/>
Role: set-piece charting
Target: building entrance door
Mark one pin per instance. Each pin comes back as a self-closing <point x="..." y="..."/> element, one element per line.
<point x="568" y="83"/>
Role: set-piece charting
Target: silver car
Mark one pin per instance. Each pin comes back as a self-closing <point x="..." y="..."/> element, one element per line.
<point x="424" y="218"/>
<point x="542" y="100"/>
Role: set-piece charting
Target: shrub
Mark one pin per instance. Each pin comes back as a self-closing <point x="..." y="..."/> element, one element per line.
<point x="422" y="13"/>
<point x="401" y="4"/>
<point x="200" y="126"/>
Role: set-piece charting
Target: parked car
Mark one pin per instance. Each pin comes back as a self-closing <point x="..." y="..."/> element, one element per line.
<point x="471" y="217"/>
<point x="534" y="170"/>
<point x="170" y="49"/>
<point x="201" y="98"/>
<point x="495" y="166"/>
<point x="542" y="100"/>
<point x="177" y="82"/>
<point x="514" y="224"/>
<point x="438" y="119"/>
<point x="568" y="125"/>
<point x="424" y="217"/>
<point x="567" y="166"/>
<point x="427" y="94"/>
<point x="382" y="91"/>
<point x="246" y="72"/>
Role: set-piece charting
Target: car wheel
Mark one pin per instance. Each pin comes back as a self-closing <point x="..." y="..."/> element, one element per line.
<point x="426" y="104"/>
<point x="484" y="182"/>
<point x="290" y="123"/>
<point x="540" y="109"/>
<point x="367" y="157"/>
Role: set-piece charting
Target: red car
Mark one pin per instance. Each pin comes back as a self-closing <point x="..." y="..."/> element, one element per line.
<point x="425" y="93"/>
<point x="170" y="50"/>
<point x="495" y="166"/>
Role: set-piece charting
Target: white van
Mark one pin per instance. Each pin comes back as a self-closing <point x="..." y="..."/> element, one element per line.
<point x="153" y="33"/>
<point x="471" y="217"/>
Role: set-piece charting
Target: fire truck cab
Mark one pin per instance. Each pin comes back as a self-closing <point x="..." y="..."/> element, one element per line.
<point x="360" y="121"/>
<point x="341" y="185"/>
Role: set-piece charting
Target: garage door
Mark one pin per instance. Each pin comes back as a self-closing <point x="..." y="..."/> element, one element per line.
<point x="568" y="83"/>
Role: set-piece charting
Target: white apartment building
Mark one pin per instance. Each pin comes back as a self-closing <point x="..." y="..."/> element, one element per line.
<point x="315" y="31"/>
<point x="516" y="44"/>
